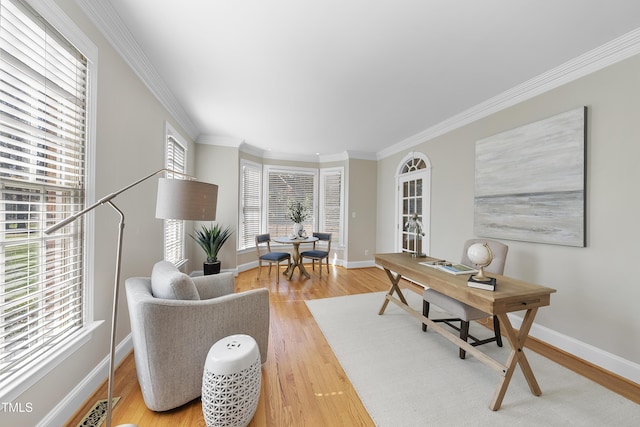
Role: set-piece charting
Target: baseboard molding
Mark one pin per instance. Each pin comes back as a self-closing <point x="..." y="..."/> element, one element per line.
<point x="360" y="264"/>
<point x="596" y="356"/>
<point x="68" y="406"/>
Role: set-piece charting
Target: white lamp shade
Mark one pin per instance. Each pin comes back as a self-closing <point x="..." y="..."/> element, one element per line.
<point x="185" y="199"/>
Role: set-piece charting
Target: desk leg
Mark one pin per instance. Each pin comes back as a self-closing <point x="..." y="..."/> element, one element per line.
<point x="517" y="357"/>
<point x="395" y="279"/>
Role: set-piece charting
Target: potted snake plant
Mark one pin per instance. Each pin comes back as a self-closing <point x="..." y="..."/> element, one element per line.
<point x="211" y="239"/>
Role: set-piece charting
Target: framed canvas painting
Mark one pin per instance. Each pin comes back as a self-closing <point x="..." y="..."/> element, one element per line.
<point x="530" y="182"/>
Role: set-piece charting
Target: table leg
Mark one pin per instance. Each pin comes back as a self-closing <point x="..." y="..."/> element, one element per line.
<point x="395" y="279"/>
<point x="516" y="357"/>
<point x="297" y="263"/>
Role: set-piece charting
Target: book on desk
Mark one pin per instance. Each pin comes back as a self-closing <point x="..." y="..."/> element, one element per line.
<point x="450" y="268"/>
<point x="487" y="285"/>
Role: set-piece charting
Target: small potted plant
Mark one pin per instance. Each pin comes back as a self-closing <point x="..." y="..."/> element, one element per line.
<point x="297" y="212"/>
<point x="211" y="240"/>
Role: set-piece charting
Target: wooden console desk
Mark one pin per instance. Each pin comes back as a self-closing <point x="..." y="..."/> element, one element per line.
<point x="510" y="295"/>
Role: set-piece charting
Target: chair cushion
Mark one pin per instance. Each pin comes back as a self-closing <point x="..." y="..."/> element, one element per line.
<point x="275" y="256"/>
<point x="315" y="254"/>
<point x="168" y="282"/>
<point x="453" y="306"/>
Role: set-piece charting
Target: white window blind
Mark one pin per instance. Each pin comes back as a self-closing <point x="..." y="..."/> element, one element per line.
<point x="43" y="84"/>
<point x="250" y="203"/>
<point x="175" y="230"/>
<point x="331" y="196"/>
<point x="284" y="186"/>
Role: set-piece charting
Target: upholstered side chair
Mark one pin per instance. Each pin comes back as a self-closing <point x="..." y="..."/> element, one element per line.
<point x="263" y="249"/>
<point x="465" y="313"/>
<point x="321" y="250"/>
<point x="175" y="319"/>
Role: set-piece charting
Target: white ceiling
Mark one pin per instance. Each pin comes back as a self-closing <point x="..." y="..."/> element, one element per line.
<point x="329" y="76"/>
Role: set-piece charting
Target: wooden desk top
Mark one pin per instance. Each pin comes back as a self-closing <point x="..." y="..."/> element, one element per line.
<point x="510" y="294"/>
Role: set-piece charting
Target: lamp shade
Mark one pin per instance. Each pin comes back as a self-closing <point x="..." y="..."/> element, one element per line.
<point x="185" y="199"/>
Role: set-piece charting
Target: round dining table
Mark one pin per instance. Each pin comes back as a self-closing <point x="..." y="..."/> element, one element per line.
<point x="297" y="259"/>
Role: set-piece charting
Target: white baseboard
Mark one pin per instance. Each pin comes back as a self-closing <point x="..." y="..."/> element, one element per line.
<point x="361" y="264"/>
<point x="608" y="361"/>
<point x="64" y="410"/>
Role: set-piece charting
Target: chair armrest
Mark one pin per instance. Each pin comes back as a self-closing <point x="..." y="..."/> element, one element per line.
<point x="214" y="285"/>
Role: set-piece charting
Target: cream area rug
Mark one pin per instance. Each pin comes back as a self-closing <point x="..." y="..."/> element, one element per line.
<point x="406" y="377"/>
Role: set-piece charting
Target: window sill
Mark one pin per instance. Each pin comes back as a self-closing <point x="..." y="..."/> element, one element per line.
<point x="37" y="371"/>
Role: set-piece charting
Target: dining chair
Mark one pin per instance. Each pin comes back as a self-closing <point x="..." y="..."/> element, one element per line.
<point x="465" y="313"/>
<point x="264" y="240"/>
<point x="320" y="251"/>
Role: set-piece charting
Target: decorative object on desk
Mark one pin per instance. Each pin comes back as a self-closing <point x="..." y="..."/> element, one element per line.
<point x="298" y="212"/>
<point x="487" y="285"/>
<point x="414" y="227"/>
<point x="480" y="254"/>
<point x="211" y="239"/>
<point x="184" y="199"/>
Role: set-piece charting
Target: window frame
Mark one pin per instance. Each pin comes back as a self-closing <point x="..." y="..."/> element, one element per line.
<point x="268" y="169"/>
<point x="28" y="377"/>
<point x="242" y="239"/>
<point x="324" y="172"/>
<point x="169" y="162"/>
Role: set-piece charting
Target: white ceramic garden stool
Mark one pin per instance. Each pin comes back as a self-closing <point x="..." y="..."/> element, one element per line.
<point x="231" y="382"/>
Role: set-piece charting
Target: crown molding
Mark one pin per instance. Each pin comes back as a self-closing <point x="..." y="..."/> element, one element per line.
<point x="223" y="141"/>
<point x="610" y="53"/>
<point x="109" y="23"/>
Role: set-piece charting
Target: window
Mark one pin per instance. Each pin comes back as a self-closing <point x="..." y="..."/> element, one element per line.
<point x="43" y="118"/>
<point x="282" y="187"/>
<point x="250" y="203"/>
<point x="268" y="213"/>
<point x="331" y="203"/>
<point x="175" y="229"/>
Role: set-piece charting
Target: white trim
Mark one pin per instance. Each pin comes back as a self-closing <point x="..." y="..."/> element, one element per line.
<point x="65" y="409"/>
<point x="608" y="361"/>
<point x="360" y="264"/>
<point x="106" y="19"/>
<point x="601" y="57"/>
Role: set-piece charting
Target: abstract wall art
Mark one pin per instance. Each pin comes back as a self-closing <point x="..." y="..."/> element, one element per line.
<point x="530" y="182"/>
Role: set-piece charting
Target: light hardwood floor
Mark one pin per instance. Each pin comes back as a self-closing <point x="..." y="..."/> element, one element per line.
<point x="302" y="382"/>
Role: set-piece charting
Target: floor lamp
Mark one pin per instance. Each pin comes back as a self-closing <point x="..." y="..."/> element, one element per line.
<point x="180" y="199"/>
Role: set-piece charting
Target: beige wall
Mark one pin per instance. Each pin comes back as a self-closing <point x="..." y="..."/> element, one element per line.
<point x="360" y="212"/>
<point x="597" y="296"/>
<point x="219" y="165"/>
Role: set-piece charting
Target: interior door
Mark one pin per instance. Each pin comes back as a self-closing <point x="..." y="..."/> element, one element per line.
<point x="413" y="215"/>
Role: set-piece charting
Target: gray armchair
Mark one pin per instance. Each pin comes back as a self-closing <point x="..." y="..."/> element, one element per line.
<point x="175" y="319"/>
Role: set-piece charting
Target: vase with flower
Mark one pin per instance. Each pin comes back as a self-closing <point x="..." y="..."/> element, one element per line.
<point x="298" y="212"/>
